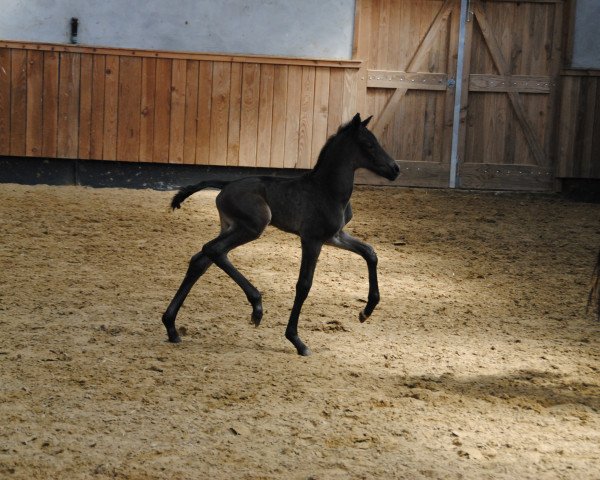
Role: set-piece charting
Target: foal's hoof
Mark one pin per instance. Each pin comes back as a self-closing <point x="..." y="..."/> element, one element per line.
<point x="362" y="316"/>
<point x="256" y="318"/>
<point x="257" y="313"/>
<point x="305" y="352"/>
<point x="174" y="339"/>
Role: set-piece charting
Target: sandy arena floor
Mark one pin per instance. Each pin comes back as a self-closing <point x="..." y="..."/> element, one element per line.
<point x="479" y="363"/>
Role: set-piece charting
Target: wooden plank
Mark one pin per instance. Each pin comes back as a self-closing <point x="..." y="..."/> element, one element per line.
<point x="162" y="111"/>
<point x="249" y="115"/>
<point x="85" y="106"/>
<point x="321" y="112"/>
<point x="130" y="98"/>
<point x="306" y="117"/>
<point x="35" y="78"/>
<point x="111" y="105"/>
<point x="408" y="80"/>
<point x="280" y="86"/>
<point x="511" y="83"/>
<point x="336" y="98"/>
<point x="349" y="96"/>
<point x="292" y="119"/>
<point x="68" y="105"/>
<point x="205" y="85"/>
<point x="170" y="55"/>
<point x="5" y="78"/>
<point x="18" y="102"/>
<point x="219" y="132"/>
<point x="97" y="119"/>
<point x="235" y="109"/>
<point x="177" y="120"/>
<point x="265" y="116"/>
<point x="148" y="109"/>
<point x="507" y="177"/>
<point x="191" y="111"/>
<point x="412" y="173"/>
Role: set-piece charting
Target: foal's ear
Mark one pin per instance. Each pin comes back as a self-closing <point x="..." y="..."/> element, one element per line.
<point x="366" y="122"/>
<point x="356" y="121"/>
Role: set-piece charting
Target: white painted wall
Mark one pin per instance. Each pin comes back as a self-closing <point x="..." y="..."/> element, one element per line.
<point x="299" y="28"/>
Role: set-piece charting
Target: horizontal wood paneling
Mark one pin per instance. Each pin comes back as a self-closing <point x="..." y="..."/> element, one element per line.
<point x="113" y="104"/>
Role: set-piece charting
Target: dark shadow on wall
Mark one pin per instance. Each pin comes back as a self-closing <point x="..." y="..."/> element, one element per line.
<point x="157" y="176"/>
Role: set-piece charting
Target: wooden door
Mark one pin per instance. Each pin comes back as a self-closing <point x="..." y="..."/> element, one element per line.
<point x="511" y="63"/>
<point x="512" y="57"/>
<point x="410" y="50"/>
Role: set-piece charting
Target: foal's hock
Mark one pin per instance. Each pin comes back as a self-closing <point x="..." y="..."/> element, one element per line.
<point x="314" y="206"/>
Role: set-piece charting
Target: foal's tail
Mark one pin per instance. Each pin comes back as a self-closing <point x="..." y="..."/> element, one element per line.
<point x="185" y="192"/>
<point x="594" y="296"/>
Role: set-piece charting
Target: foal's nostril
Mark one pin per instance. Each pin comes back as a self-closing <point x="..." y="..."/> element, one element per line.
<point x="396" y="168"/>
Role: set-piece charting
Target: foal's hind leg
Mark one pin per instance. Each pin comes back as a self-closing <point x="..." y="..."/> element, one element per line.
<point x="348" y="242"/>
<point x="217" y="251"/>
<point x="198" y="265"/>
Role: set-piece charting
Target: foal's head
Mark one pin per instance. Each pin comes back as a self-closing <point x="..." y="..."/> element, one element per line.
<point x="371" y="155"/>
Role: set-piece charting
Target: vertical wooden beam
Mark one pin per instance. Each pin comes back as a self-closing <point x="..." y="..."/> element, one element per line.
<point x="265" y="116"/>
<point x="235" y="110"/>
<point x="280" y="86"/>
<point x="321" y="112"/>
<point x="147" y="109"/>
<point x="128" y="128"/>
<point x="68" y="105"/>
<point x="305" y="131"/>
<point x="97" y="119"/>
<point x="336" y="98"/>
<point x="18" y="102"/>
<point x="85" y="105"/>
<point x="191" y="111"/>
<point x="111" y="108"/>
<point x="205" y="87"/>
<point x="177" y="120"/>
<point x="35" y="77"/>
<point x="5" y="75"/>
<point x="249" y="114"/>
<point x="162" y="111"/>
<point x="292" y="120"/>
<point x="220" y="113"/>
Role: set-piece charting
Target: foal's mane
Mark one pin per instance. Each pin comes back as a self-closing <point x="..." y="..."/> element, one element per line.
<point x="327" y="147"/>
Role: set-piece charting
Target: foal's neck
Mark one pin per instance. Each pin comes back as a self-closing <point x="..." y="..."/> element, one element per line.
<point x="335" y="171"/>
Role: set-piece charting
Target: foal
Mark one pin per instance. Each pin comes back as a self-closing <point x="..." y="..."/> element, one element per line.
<point x="314" y="206"/>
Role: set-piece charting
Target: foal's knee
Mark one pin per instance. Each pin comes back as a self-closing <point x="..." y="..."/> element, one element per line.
<point x="370" y="256"/>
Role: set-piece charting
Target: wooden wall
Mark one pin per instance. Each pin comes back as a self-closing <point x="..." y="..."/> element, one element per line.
<point x="111" y="104"/>
<point x="522" y="122"/>
<point x="578" y="130"/>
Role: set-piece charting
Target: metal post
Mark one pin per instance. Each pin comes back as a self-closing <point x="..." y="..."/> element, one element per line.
<point x="464" y="10"/>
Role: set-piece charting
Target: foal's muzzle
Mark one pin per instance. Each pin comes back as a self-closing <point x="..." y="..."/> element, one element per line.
<point x="394" y="172"/>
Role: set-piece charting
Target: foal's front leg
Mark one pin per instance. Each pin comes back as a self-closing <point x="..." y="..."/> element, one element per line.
<point x="348" y="242"/>
<point x="310" y="255"/>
